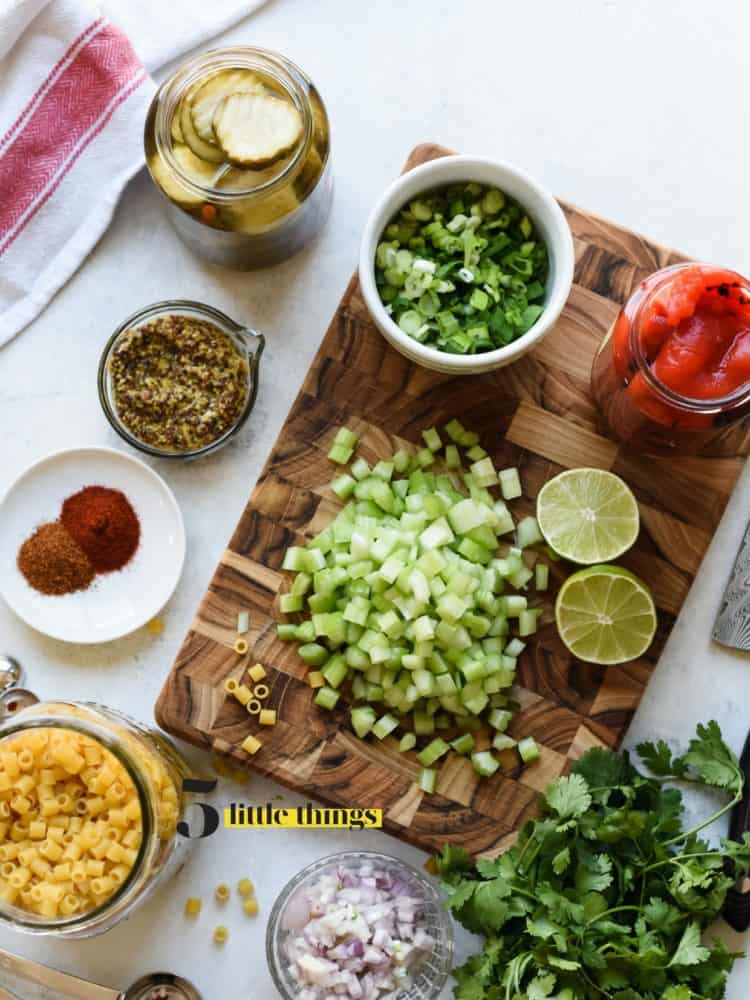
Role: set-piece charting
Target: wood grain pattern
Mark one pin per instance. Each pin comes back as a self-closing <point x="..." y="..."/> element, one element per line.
<point x="536" y="414"/>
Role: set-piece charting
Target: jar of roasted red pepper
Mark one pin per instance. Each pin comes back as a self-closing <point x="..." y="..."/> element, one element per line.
<point x="672" y="376"/>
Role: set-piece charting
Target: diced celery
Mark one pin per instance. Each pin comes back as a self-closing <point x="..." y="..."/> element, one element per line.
<point x="437" y="534"/>
<point x="286" y="632"/>
<point x="301" y="583"/>
<point x="528" y="750"/>
<point x="433" y="752"/>
<point x="340" y="454"/>
<point x="476" y="453"/>
<point x="289" y="603"/>
<point x="327" y="697"/>
<point x="455" y="430"/>
<point x="363" y="719"/>
<point x="313" y="654"/>
<point x="527" y="621"/>
<point x="383" y="470"/>
<point x="484" y="472"/>
<point x="432" y="439"/>
<point x="335" y="671"/>
<point x="346" y="438"/>
<point x="401" y="461"/>
<point x="360" y="469"/>
<point x="484" y="763"/>
<point x="305" y="632"/>
<point x="502" y="741"/>
<point x="343" y="486"/>
<point x="427" y="780"/>
<point x="384" y="726"/>
<point x="499" y="719"/>
<point x="510" y="484"/>
<point x="463" y="744"/>
<point x="528" y="533"/>
<point x="407" y="742"/>
<point x="541" y="576"/>
<point x="452" y="457"/>
<point x="514" y="605"/>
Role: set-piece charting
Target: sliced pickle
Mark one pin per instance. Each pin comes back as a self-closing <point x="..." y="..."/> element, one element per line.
<point x="255" y="215"/>
<point x="209" y="96"/>
<point x="256" y="130"/>
<point x="320" y="124"/>
<point x="308" y="176"/>
<point x="176" y="128"/>
<point x="205" y="150"/>
<point x="195" y="168"/>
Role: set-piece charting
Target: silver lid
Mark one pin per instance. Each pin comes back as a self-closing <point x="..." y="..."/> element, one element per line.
<point x="11" y="672"/>
<point x="162" y="986"/>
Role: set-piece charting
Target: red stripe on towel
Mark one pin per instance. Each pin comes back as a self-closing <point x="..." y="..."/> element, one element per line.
<point x="66" y="119"/>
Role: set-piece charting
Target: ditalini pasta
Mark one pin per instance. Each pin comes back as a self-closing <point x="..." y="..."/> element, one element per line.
<point x="70" y="820"/>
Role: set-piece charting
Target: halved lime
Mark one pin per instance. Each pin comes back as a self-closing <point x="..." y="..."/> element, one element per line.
<point x="605" y="614"/>
<point x="587" y="515"/>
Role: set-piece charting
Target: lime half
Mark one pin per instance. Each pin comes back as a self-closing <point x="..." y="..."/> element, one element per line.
<point x="588" y="515"/>
<point x="605" y="614"/>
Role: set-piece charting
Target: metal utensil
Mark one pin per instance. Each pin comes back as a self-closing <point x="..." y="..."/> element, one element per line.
<point x="737" y="906"/>
<point x="51" y="984"/>
<point x="732" y="625"/>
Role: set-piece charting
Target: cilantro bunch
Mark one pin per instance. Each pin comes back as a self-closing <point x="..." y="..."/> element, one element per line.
<point x="606" y="896"/>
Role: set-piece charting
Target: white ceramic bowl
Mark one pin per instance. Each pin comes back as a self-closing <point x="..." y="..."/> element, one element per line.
<point x="116" y="603"/>
<point x="543" y="210"/>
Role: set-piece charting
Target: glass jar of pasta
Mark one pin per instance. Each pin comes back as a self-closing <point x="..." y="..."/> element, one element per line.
<point x="238" y="142"/>
<point x="89" y="807"/>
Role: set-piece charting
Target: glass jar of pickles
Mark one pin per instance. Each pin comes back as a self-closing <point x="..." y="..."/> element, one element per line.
<point x="238" y="142"/>
<point x="89" y="807"/>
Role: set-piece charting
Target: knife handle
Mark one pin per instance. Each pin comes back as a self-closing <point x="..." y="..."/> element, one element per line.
<point x="736" y="910"/>
<point x="737" y="904"/>
<point x="739" y="820"/>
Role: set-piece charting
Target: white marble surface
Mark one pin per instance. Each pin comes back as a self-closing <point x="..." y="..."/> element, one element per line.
<point x="625" y="106"/>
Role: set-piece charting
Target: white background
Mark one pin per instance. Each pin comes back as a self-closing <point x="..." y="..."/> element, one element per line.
<point x="632" y="108"/>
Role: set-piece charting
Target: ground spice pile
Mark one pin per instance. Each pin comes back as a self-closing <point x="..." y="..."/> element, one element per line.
<point x="53" y="563"/>
<point x="97" y="532"/>
<point x="104" y="524"/>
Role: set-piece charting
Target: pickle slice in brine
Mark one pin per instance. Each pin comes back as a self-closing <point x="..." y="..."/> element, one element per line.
<point x="195" y="168"/>
<point x="308" y="176"/>
<point x="205" y="150"/>
<point x="256" y="130"/>
<point x="209" y="96"/>
<point x="257" y="214"/>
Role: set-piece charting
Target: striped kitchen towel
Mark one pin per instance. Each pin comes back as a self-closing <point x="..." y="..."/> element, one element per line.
<point x="74" y="91"/>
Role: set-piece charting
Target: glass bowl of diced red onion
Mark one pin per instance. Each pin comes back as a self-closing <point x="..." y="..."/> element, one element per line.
<point x="360" y="926"/>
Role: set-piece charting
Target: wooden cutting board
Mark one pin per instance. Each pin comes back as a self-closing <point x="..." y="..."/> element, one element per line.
<point x="536" y="414"/>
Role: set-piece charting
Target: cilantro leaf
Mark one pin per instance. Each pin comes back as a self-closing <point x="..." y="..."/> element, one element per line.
<point x="602" y="768"/>
<point x="561" y="861"/>
<point x="714" y="761"/>
<point x="461" y="894"/>
<point x="690" y="951"/>
<point x="489" y="905"/>
<point x="569" y="796"/>
<point x="662" y="916"/>
<point x="677" y="993"/>
<point x="595" y="877"/>
<point x="659" y="759"/>
<point x="453" y="861"/>
<point x="540" y="987"/>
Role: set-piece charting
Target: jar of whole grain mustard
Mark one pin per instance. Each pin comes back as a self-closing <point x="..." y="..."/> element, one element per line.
<point x="241" y="207"/>
<point x="89" y="806"/>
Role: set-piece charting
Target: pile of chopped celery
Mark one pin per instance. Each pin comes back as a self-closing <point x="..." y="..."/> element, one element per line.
<point x="411" y="602"/>
<point x="462" y="269"/>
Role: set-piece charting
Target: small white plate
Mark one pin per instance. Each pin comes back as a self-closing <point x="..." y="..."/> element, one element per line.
<point x="115" y="603"/>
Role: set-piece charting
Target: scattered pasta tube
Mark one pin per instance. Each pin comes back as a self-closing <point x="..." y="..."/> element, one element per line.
<point x="254" y="706"/>
<point x="260" y="691"/>
<point x="267" y="717"/>
<point x="257" y="673"/>
<point x="221" y="935"/>
<point x="251" y="745"/>
<point x="250" y="906"/>
<point x="243" y="694"/>
<point x="316" y="680"/>
<point x="192" y="906"/>
<point x="245" y="888"/>
<point x="222" y="892"/>
<point x="240" y="646"/>
<point x="231" y="685"/>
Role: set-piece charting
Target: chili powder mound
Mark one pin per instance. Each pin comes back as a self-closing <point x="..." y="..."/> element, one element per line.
<point x="104" y="524"/>
<point x="53" y="563"/>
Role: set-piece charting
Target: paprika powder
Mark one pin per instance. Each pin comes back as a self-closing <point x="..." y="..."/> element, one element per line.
<point x="53" y="563"/>
<point x="104" y="524"/>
